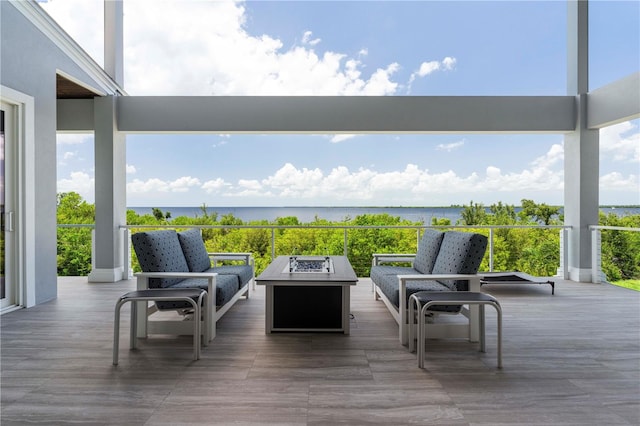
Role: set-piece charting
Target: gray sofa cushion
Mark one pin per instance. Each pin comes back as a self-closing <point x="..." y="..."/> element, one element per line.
<point x="160" y="251"/>
<point x="194" y="250"/>
<point x="460" y="253"/>
<point x="379" y="271"/>
<point x="390" y="286"/>
<point x="428" y="249"/>
<point x="243" y="272"/>
<point x="226" y="288"/>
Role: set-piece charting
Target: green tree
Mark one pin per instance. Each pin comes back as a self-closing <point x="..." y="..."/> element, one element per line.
<point x="74" y="244"/>
<point x="473" y="214"/>
<point x="538" y="212"/>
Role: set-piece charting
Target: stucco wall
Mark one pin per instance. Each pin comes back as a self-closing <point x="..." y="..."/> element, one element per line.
<point x="28" y="64"/>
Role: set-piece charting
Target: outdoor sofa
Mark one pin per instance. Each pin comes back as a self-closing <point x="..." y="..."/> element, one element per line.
<point x="171" y="259"/>
<point x="445" y="261"/>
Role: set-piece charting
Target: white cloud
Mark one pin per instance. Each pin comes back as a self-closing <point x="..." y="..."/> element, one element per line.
<point x="223" y="57"/>
<point x="450" y="146"/>
<point x="342" y="137"/>
<point x="250" y="184"/>
<point x="83" y="21"/>
<point x="426" y="68"/>
<point x="621" y="142"/>
<point x="617" y="182"/>
<point x="79" y="182"/>
<point x="306" y="39"/>
<point x="131" y="169"/>
<point x="553" y="157"/>
<point x="449" y="63"/>
<point x="214" y="186"/>
<point x="73" y="138"/>
<point x="69" y="155"/>
<point x="406" y="186"/>
<point x="182" y="184"/>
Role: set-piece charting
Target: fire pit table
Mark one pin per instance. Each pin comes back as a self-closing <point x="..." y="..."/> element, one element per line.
<point x="308" y="294"/>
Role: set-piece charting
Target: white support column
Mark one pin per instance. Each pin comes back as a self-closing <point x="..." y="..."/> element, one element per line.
<point x="110" y="193"/>
<point x="581" y="149"/>
<point x="114" y="40"/>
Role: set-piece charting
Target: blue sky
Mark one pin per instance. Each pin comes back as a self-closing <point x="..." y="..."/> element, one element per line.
<point x="354" y="48"/>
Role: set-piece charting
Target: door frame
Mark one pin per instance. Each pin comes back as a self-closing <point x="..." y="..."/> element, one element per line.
<point x="23" y="188"/>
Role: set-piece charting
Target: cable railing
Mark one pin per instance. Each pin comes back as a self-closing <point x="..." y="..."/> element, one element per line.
<point x="274" y="230"/>
<point x="597" y="275"/>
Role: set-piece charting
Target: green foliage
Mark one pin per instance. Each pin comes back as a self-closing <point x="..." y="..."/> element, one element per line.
<point x="473" y="214"/>
<point x="531" y="250"/>
<point x="538" y="212"/>
<point x="620" y="250"/>
<point x="72" y="209"/>
<point x="74" y="244"/>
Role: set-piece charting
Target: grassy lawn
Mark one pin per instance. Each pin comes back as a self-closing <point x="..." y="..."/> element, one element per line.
<point x="632" y="284"/>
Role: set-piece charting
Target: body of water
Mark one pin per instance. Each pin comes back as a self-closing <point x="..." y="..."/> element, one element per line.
<point x="335" y="214"/>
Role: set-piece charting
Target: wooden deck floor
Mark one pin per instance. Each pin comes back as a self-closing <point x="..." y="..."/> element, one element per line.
<point x="569" y="359"/>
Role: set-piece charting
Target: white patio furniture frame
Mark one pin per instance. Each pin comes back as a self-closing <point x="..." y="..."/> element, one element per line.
<point x="436" y="330"/>
<point x="146" y="326"/>
<point x="156" y="295"/>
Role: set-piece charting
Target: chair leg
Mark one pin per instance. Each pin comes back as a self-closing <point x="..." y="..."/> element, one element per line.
<point x="422" y="335"/>
<point x="133" y="335"/>
<point x="483" y="346"/>
<point x="499" y="315"/>
<point x="116" y="332"/>
<point x="196" y="328"/>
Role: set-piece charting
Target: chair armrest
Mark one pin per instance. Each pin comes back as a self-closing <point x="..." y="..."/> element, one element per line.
<point x="247" y="258"/>
<point x="381" y="258"/>
<point x="142" y="278"/>
<point x="176" y="274"/>
<point x="474" y="279"/>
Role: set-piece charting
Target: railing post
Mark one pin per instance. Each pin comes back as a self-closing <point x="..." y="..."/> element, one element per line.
<point x="490" y="249"/>
<point x="93" y="249"/>
<point x="596" y="258"/>
<point x="564" y="254"/>
<point x="127" y="272"/>
<point x="273" y="244"/>
<point x="346" y="243"/>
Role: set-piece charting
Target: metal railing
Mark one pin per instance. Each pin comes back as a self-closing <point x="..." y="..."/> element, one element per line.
<point x="596" y="246"/>
<point x="562" y="270"/>
<point x="597" y="275"/>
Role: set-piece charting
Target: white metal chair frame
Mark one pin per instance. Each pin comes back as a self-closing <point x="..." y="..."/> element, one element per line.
<point x="156" y="295"/>
<point x="450" y="298"/>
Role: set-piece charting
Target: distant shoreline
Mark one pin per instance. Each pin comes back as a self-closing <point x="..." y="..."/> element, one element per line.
<point x="334" y="214"/>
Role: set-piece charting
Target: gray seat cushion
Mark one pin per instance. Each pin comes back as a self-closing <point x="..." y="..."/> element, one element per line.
<point x="460" y="253"/>
<point x="226" y="288"/>
<point x="390" y="287"/>
<point x="379" y="271"/>
<point x="243" y="272"/>
<point x="428" y="249"/>
<point x="160" y="251"/>
<point x="194" y="250"/>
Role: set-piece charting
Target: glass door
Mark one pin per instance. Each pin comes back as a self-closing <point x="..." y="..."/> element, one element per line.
<point x="3" y="290"/>
<point x="8" y="290"/>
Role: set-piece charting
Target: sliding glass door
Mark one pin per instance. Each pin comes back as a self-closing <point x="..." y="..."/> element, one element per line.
<point x="8" y="288"/>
